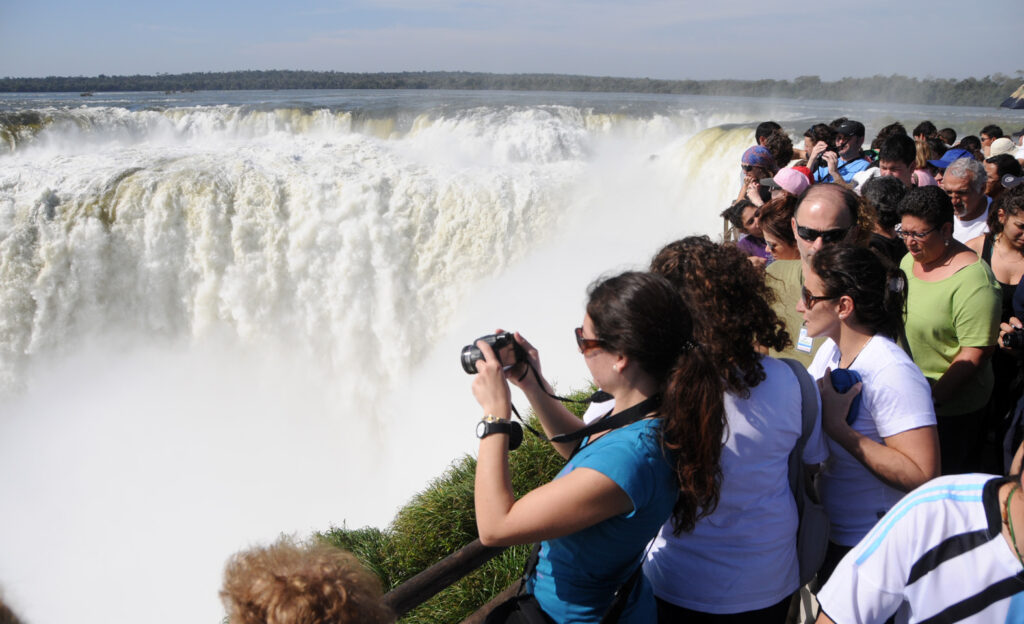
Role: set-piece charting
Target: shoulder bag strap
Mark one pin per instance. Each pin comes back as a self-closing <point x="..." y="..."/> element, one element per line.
<point x="808" y="400"/>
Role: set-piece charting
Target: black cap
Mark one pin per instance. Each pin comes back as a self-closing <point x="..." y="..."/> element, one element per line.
<point x="851" y="128"/>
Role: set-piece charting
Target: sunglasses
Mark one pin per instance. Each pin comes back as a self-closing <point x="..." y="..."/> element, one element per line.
<point x="588" y="344"/>
<point x="810" y="300"/>
<point x="826" y="236"/>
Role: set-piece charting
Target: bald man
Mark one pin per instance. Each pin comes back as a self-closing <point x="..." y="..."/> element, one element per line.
<point x="827" y="214"/>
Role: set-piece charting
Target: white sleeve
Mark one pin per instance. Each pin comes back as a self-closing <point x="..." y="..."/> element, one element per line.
<point x="852" y="595"/>
<point x="899" y="399"/>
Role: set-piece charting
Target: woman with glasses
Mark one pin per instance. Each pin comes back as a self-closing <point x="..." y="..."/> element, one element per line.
<point x="620" y="485"/>
<point x="885" y="444"/>
<point x="952" y="322"/>
<point x="739" y="562"/>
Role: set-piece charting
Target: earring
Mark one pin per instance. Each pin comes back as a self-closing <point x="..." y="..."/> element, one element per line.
<point x="618" y="369"/>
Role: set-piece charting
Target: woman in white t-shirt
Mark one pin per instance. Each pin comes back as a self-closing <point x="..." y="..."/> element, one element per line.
<point x="883" y="443"/>
<point x="739" y="562"/>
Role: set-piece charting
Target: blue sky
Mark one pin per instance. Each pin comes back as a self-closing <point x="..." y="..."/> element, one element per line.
<point x="644" y="38"/>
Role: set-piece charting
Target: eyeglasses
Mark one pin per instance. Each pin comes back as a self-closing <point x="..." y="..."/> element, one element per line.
<point x="747" y="168"/>
<point x="588" y="344"/>
<point x="905" y="234"/>
<point x="826" y="236"/>
<point x="810" y="300"/>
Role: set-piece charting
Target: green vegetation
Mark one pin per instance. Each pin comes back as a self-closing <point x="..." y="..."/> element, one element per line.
<point x="988" y="91"/>
<point x="440" y="520"/>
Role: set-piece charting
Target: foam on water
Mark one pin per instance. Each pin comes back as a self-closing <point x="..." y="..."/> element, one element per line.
<point x="220" y="324"/>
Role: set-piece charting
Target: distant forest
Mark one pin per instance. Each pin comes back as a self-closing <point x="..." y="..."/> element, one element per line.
<point x="987" y="91"/>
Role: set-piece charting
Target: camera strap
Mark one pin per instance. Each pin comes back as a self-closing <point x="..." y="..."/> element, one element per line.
<point x="627" y="416"/>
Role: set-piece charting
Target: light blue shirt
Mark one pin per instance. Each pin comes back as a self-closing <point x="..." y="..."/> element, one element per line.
<point x="846" y="170"/>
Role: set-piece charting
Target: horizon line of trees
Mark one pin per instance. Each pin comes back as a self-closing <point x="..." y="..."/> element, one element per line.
<point x="990" y="90"/>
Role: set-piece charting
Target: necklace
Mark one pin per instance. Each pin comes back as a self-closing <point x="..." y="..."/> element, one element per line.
<point x="1009" y="523"/>
<point x="855" y="355"/>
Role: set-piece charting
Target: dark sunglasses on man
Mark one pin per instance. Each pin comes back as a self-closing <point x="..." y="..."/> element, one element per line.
<point x="826" y="236"/>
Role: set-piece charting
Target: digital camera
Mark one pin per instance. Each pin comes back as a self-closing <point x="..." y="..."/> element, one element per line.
<point x="505" y="347"/>
<point x="1014" y="339"/>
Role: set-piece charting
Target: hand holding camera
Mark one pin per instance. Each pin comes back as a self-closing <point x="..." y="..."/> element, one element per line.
<point x="490" y="388"/>
<point x="1011" y="334"/>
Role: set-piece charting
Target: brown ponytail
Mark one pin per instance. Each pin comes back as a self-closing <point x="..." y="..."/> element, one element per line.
<point x="693" y="425"/>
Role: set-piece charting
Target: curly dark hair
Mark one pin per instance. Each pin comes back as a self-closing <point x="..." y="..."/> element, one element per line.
<point x="731" y="305"/>
<point x="884" y="193"/>
<point x="1010" y="203"/>
<point x="780" y="146"/>
<point x="928" y="203"/>
<point x="286" y="583"/>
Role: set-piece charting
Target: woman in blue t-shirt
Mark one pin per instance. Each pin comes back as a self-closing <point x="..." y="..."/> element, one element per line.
<point x="597" y="516"/>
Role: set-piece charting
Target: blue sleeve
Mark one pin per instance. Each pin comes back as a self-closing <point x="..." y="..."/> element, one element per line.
<point x="631" y="459"/>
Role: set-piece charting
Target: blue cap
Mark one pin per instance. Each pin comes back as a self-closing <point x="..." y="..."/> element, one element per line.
<point x="951" y="155"/>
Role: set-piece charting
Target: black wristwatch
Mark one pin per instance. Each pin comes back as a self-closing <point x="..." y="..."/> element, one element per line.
<point x="491" y="424"/>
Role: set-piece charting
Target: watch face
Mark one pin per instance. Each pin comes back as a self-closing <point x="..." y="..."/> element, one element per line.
<point x="481" y="429"/>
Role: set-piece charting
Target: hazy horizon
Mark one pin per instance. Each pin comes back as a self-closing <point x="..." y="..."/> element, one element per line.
<point x="656" y="39"/>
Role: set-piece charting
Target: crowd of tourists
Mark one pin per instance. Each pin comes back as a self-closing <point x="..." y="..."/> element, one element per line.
<point x="886" y="274"/>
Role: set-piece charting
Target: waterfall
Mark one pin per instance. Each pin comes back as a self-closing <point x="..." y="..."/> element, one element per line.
<point x="220" y="323"/>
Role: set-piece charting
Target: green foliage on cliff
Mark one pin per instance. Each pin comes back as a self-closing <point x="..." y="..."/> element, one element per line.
<point x="987" y="91"/>
<point x="440" y="520"/>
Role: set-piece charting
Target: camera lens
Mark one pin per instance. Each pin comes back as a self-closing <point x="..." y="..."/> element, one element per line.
<point x="470" y="355"/>
<point x="1014" y="339"/>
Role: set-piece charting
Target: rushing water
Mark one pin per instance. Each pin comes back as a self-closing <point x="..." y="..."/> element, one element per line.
<point x="224" y="316"/>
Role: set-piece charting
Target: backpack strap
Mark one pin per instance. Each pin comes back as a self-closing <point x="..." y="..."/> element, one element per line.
<point x="808" y="401"/>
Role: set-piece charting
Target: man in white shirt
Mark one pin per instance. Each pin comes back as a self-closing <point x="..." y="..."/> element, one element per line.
<point x="947" y="552"/>
<point x="964" y="182"/>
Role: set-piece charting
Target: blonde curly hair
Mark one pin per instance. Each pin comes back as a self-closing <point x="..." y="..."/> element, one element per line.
<point x="289" y="583"/>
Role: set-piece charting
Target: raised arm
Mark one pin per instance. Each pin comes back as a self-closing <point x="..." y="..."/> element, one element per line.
<point x="573" y="502"/>
<point x="553" y="415"/>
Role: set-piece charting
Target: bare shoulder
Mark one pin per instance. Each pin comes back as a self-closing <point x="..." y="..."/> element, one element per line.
<point x="977" y="244"/>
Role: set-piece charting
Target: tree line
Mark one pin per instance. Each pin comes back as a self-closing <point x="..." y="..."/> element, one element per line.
<point x="988" y="91"/>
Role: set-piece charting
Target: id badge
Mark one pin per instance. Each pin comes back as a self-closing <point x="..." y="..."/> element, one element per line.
<point x="805" y="341"/>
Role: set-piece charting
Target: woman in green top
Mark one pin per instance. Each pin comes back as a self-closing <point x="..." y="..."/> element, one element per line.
<point x="952" y="322"/>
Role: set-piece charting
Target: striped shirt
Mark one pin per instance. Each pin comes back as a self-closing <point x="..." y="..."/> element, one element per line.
<point x="937" y="556"/>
